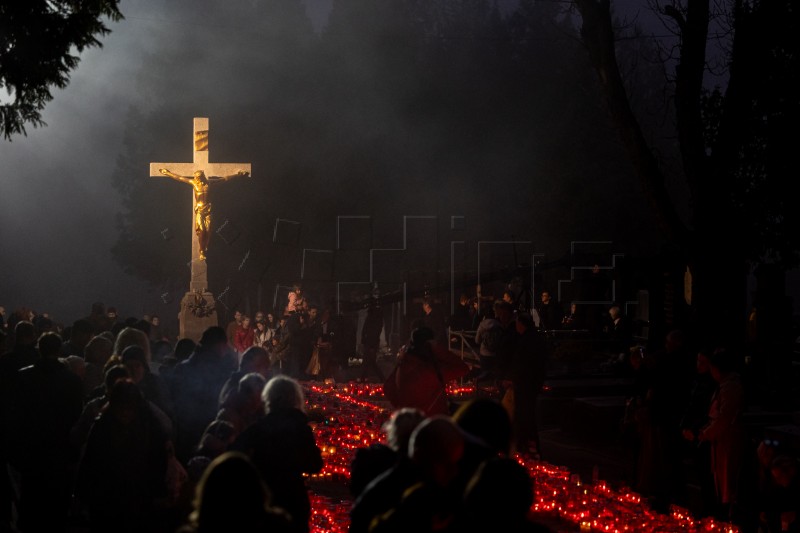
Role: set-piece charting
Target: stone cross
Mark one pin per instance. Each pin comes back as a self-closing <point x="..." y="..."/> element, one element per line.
<point x="199" y="279"/>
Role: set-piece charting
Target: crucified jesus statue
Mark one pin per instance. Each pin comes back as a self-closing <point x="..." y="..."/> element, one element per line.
<point x="202" y="206"/>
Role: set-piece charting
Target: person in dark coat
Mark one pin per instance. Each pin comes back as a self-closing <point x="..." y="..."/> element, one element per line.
<point x="499" y="498"/>
<point x="460" y="320"/>
<point x="574" y="319"/>
<point x="196" y="384"/>
<point x="92" y="409"/>
<point x="695" y="417"/>
<point x="431" y="503"/>
<point x="81" y="333"/>
<point x="46" y="401"/>
<point x="528" y="372"/>
<point x="183" y="349"/>
<point x="550" y="313"/>
<point x="433" y="318"/>
<point x="245" y="406"/>
<point x="254" y="359"/>
<point x="385" y="490"/>
<point x="371" y="342"/>
<point x="369" y="463"/>
<point x="98" y="319"/>
<point x="283" y="448"/>
<point x="619" y="332"/>
<point x="97" y="353"/>
<point x="21" y="355"/>
<point x="152" y="386"/>
<point x="231" y="496"/>
<point x="325" y="337"/>
<point x="296" y="345"/>
<point x="487" y="434"/>
<point x="124" y="467"/>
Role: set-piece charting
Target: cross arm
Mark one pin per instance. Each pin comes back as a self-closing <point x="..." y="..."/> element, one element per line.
<point x="177" y="171"/>
<point x="227" y="171"/>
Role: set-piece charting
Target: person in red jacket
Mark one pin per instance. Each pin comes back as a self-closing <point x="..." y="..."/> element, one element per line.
<point x="423" y="369"/>
<point x="244" y="336"/>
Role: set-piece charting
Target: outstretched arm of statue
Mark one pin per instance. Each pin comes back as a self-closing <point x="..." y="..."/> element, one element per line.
<point x="174" y="176"/>
<point x="238" y="174"/>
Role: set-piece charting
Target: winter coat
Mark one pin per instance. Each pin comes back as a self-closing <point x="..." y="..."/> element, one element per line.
<point x="726" y="434"/>
<point x="283" y="448"/>
<point x="420" y="377"/>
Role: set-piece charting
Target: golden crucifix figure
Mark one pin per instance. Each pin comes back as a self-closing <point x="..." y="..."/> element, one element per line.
<point x="195" y="174"/>
<point x="202" y="205"/>
<point x="198" y="311"/>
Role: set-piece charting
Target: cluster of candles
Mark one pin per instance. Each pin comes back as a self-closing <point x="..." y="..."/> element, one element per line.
<point x="343" y="421"/>
<point x="598" y="507"/>
<point x="329" y="515"/>
<point x="348" y="417"/>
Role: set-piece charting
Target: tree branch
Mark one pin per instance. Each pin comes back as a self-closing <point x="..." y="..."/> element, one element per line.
<point x="598" y="37"/>
<point x="672" y="12"/>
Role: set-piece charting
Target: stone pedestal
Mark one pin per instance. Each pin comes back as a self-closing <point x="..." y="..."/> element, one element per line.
<point x="198" y="313"/>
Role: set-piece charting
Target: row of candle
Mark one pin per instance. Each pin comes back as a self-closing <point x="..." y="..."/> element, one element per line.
<point x="329" y="515"/>
<point x="343" y="422"/>
<point x="348" y="417"/>
<point x="598" y="507"/>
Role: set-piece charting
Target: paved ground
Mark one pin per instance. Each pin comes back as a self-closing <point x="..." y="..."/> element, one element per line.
<point x="609" y="461"/>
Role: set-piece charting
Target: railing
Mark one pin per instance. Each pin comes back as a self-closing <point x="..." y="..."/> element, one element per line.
<point x="460" y="341"/>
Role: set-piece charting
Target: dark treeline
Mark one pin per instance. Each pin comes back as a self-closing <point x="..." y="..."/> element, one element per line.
<point x="394" y="108"/>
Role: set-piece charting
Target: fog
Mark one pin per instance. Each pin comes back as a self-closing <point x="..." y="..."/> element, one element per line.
<point x="366" y="145"/>
<point x="57" y="217"/>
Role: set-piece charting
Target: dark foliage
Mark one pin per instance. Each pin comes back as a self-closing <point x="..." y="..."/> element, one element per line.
<point x="735" y="142"/>
<point x="38" y="39"/>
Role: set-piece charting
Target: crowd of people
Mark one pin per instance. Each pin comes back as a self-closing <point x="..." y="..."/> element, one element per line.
<point x="303" y="341"/>
<point x="109" y="430"/>
<point x="687" y="407"/>
<point x="684" y="415"/>
<point x="109" y="425"/>
<point x="118" y="455"/>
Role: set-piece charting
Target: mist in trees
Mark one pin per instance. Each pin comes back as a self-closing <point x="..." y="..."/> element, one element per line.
<point x="394" y="108"/>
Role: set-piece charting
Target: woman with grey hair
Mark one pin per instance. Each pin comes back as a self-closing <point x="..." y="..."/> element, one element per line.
<point x="282" y="392"/>
<point x="283" y="448"/>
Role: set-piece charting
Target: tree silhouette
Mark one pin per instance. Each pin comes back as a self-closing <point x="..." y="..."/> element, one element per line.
<point x="36" y="42"/>
<point x="733" y="146"/>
